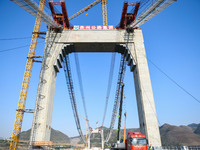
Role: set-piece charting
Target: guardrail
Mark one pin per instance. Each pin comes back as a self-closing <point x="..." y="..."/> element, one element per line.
<point x="196" y="147"/>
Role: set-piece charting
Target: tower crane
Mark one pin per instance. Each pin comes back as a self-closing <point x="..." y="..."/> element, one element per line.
<point x="104" y="12"/>
<point x="120" y="112"/>
<point x="85" y="9"/>
<point x="26" y="80"/>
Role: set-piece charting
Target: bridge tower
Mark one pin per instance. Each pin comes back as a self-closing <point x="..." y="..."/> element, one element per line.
<point x="62" y="43"/>
<point x="127" y="40"/>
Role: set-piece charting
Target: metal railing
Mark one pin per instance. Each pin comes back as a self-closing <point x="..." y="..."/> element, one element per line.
<point x="196" y="147"/>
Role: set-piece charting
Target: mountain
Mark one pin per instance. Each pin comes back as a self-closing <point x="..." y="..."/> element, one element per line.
<point x="174" y="135"/>
<point x="56" y="136"/>
<point x="59" y="137"/>
<point x="170" y="135"/>
<point x="197" y="131"/>
<point x="194" y="126"/>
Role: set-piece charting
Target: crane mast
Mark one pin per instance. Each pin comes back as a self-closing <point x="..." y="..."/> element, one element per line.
<point x="120" y="112"/>
<point x="25" y="83"/>
<point x="104" y="12"/>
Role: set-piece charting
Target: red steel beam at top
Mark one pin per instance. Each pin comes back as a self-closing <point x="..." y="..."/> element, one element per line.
<point x="136" y="11"/>
<point x="123" y="17"/>
<point x="61" y="19"/>
<point x="52" y="10"/>
<point x="65" y="15"/>
<point x="128" y="18"/>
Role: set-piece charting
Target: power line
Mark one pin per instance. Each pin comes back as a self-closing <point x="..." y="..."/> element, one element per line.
<point x="10" y="49"/>
<point x="6" y="39"/>
<point x="172" y="80"/>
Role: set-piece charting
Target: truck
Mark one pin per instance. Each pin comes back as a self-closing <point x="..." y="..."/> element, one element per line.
<point x="134" y="141"/>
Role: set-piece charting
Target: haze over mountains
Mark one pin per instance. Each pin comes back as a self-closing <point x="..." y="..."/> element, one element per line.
<point x="170" y="135"/>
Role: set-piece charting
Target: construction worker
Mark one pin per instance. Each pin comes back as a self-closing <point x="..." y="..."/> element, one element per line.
<point x="150" y="147"/>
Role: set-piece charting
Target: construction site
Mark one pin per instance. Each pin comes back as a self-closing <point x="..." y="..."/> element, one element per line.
<point x="122" y="44"/>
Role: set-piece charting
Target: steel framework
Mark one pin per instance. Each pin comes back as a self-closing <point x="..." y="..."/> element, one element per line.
<point x="26" y="80"/>
<point x="128" y="18"/>
<point x="61" y="19"/>
<point x="34" y="9"/>
<point x="151" y="11"/>
<point x="104" y="12"/>
<point x="85" y="9"/>
<point x="121" y="75"/>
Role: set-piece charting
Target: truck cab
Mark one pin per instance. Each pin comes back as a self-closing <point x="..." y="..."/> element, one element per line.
<point x="136" y="141"/>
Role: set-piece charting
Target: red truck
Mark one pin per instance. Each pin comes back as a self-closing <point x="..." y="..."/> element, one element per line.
<point x="134" y="141"/>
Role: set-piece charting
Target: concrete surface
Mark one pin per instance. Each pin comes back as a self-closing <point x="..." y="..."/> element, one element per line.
<point x="59" y="44"/>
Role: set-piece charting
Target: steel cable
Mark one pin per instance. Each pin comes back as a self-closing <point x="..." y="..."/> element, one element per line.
<point x="80" y="82"/>
<point x="70" y="86"/>
<point x="112" y="65"/>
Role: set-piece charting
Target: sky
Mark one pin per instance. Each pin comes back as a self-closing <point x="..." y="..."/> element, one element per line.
<point x="171" y="41"/>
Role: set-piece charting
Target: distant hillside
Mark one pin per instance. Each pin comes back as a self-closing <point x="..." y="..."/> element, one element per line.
<point x="174" y="135"/>
<point x="170" y="135"/>
<point x="56" y="136"/>
<point x="197" y="131"/>
<point x="59" y="137"/>
<point x="25" y="135"/>
<point x="193" y="126"/>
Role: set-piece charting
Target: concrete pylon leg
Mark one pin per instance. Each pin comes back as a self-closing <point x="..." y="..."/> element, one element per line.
<point x="144" y="95"/>
<point x="41" y="126"/>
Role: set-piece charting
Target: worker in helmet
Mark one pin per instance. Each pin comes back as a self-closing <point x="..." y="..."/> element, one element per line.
<point x="150" y="147"/>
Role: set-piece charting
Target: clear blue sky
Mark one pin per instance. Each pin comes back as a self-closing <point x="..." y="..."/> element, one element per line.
<point x="172" y="41"/>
